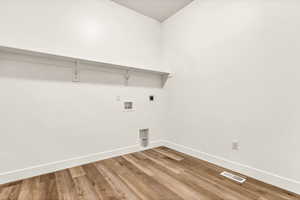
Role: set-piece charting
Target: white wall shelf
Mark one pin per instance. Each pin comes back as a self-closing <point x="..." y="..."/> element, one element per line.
<point x="79" y="62"/>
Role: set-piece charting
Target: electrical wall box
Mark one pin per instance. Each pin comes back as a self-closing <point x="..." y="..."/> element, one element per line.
<point x="151" y="98"/>
<point x="128" y="106"/>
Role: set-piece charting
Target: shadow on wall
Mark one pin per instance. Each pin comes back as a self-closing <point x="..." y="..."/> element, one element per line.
<point x="44" y="69"/>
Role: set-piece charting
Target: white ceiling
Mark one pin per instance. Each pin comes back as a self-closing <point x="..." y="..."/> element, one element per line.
<point x="157" y="9"/>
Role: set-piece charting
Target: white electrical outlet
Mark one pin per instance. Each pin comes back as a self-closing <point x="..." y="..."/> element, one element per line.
<point x="235" y="145"/>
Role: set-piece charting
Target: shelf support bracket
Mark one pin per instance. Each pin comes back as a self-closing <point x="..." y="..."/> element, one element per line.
<point x="127" y="77"/>
<point x="76" y="72"/>
<point x="164" y="79"/>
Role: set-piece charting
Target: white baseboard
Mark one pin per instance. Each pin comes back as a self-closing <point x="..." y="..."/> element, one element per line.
<point x="267" y="177"/>
<point x="20" y="174"/>
<point x="282" y="182"/>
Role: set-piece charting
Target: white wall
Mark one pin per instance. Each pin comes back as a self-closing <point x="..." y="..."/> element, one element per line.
<point x="236" y="77"/>
<point x="47" y="118"/>
<point x="91" y="29"/>
<point x="235" y="67"/>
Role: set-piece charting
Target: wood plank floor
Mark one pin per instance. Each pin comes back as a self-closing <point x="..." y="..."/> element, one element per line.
<point x="158" y="174"/>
